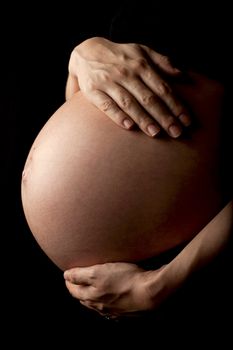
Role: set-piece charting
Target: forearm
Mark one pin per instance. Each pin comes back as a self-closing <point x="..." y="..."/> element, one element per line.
<point x="203" y="248"/>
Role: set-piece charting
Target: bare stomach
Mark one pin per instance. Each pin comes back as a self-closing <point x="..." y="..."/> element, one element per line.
<point x="93" y="192"/>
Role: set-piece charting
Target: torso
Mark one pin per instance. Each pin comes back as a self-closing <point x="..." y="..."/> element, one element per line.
<point x="93" y="192"/>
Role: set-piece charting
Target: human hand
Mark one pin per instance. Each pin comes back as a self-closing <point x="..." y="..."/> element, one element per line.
<point x="125" y="82"/>
<point x="116" y="289"/>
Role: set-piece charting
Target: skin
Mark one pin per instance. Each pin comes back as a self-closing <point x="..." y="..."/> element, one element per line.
<point x="122" y="289"/>
<point x="124" y="81"/>
<point x="94" y="193"/>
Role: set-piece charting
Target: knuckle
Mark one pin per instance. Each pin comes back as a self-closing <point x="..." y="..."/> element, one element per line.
<point x="140" y="64"/>
<point x="148" y="100"/>
<point x="126" y="102"/>
<point x="163" y="89"/>
<point x="107" y="105"/>
<point x="93" y="274"/>
<point x="122" y="72"/>
<point x="136" y="47"/>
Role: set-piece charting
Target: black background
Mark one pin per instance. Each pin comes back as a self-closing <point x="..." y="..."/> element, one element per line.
<point x="36" y="45"/>
<point x="37" y="42"/>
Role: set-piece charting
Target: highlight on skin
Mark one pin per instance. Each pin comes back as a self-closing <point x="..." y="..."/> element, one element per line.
<point x="93" y="192"/>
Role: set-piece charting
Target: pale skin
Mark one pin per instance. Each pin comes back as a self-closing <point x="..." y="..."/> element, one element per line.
<point x="124" y="81"/>
<point x="121" y="195"/>
<point x="121" y="289"/>
<point x="151" y="179"/>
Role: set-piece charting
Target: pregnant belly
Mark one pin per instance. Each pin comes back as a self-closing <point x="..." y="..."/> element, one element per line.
<point x="93" y="192"/>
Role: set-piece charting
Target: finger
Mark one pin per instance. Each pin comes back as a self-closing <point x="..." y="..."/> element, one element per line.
<point x="102" y="309"/>
<point x="79" y="291"/>
<point x="97" y="306"/>
<point x="127" y="102"/>
<point x="155" y="107"/>
<point x="88" y="304"/>
<point x="162" y="61"/>
<point x="107" y="105"/>
<point x="167" y="96"/>
<point x="79" y="275"/>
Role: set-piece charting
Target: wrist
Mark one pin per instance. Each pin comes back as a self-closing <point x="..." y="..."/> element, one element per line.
<point x="160" y="284"/>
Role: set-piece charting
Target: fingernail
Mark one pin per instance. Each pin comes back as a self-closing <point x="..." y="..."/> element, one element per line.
<point x="174" y="130"/>
<point x="185" y="119"/>
<point x="153" y="130"/>
<point x="128" y="123"/>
